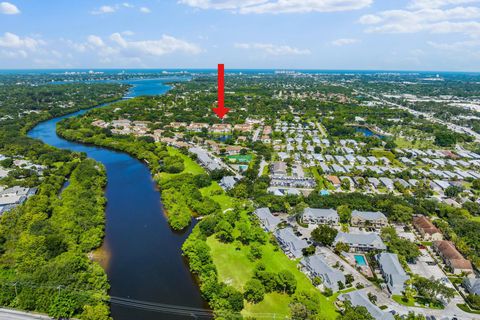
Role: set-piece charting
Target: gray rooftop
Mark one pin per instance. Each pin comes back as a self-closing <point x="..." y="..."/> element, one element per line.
<point x="360" y="298"/>
<point x="268" y="220"/>
<point x="368" y="215"/>
<point x="371" y="240"/>
<point x="393" y="272"/>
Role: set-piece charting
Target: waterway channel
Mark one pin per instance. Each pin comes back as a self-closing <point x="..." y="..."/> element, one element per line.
<point x="141" y="254"/>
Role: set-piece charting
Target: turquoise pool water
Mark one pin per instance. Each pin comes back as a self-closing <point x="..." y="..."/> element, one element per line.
<point x="360" y="260"/>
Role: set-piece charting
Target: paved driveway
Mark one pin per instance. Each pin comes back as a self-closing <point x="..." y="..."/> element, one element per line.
<point x="424" y="269"/>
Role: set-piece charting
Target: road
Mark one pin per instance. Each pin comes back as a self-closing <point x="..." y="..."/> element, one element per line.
<point x="9" y="314"/>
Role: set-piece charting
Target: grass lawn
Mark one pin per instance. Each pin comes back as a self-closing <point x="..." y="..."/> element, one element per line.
<point x="476" y="218"/>
<point x="223" y="200"/>
<point x="190" y="165"/>
<point x="241" y="158"/>
<point x="466" y="308"/>
<point x="416" y="302"/>
<point x="236" y="269"/>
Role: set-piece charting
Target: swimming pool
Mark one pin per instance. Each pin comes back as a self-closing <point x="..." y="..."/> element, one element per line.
<point x="360" y="260"/>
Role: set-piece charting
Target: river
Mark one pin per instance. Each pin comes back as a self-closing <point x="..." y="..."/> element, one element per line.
<point x="143" y="255"/>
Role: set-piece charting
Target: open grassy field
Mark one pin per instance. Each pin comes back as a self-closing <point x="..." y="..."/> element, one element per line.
<point x="216" y="192"/>
<point x="236" y="269"/>
<point x="190" y="165"/>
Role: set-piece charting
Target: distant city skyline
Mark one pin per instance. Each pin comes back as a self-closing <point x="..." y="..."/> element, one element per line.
<point x="414" y="35"/>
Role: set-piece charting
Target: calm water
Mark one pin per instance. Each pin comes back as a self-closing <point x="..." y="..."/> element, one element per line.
<point x="367" y="132"/>
<point x="145" y="261"/>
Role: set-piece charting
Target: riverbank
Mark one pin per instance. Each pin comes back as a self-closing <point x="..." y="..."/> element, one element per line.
<point x="229" y="232"/>
<point x="145" y="260"/>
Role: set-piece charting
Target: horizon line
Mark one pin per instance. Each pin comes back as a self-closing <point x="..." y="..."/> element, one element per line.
<point x="247" y="69"/>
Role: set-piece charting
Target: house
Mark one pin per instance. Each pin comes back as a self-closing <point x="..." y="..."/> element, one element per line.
<point x="245" y="127"/>
<point x="233" y="150"/>
<point x="205" y="160"/>
<point x="197" y="127"/>
<point x="387" y="182"/>
<point x="359" y="298"/>
<point x="12" y="197"/>
<point x="361" y="241"/>
<point x="221" y="128"/>
<point x="268" y="221"/>
<point x="426" y="229"/>
<point x="228" y="182"/>
<point x="374" y="182"/>
<point x="315" y="266"/>
<point x="290" y="243"/>
<point x="392" y="272"/>
<point x="121" y="123"/>
<point x="279" y="168"/>
<point x="472" y="285"/>
<point x="335" y="181"/>
<point x="177" y="125"/>
<point x="452" y="258"/>
<point x="368" y="219"/>
<point x="320" y="216"/>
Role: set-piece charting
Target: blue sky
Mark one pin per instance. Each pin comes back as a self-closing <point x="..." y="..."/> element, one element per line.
<point x="306" y="34"/>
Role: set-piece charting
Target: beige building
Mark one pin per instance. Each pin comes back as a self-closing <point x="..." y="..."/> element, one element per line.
<point x="426" y="229"/>
<point x="368" y="219"/>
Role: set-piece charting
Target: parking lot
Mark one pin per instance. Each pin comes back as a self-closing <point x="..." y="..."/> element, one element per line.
<point x="426" y="266"/>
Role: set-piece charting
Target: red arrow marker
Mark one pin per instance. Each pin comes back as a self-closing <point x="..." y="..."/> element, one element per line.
<point x="221" y="111"/>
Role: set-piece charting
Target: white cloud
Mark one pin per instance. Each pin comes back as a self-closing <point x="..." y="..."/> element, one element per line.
<point x="271" y="49"/>
<point x="426" y="4"/>
<point x="279" y="6"/>
<point x="165" y="45"/>
<point x="115" y="7"/>
<point x="344" y="42"/>
<point x="8" y="8"/>
<point x="427" y="19"/>
<point x="95" y="41"/>
<point x="104" y="10"/>
<point x="12" y="41"/>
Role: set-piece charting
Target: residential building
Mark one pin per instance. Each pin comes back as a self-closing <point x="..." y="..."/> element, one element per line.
<point x="205" y="160"/>
<point x="335" y="181"/>
<point x="315" y="266"/>
<point x="290" y="243"/>
<point x="361" y="241"/>
<point x="426" y="229"/>
<point x="359" y="298"/>
<point x="279" y="168"/>
<point x="472" y="285"/>
<point x="320" y="216"/>
<point x="368" y="219"/>
<point x="228" y="182"/>
<point x="268" y="221"/>
<point x="392" y="272"/>
<point x="233" y="150"/>
<point x="245" y="127"/>
<point x="452" y="258"/>
<point x="221" y="128"/>
<point x="197" y="127"/>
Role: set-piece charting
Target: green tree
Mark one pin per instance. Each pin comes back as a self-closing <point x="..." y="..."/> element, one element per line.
<point x="324" y="234"/>
<point x="254" y="291"/>
<point x="401" y="213"/>
<point x="355" y="313"/>
<point x="286" y="282"/>
<point x="345" y="213"/>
